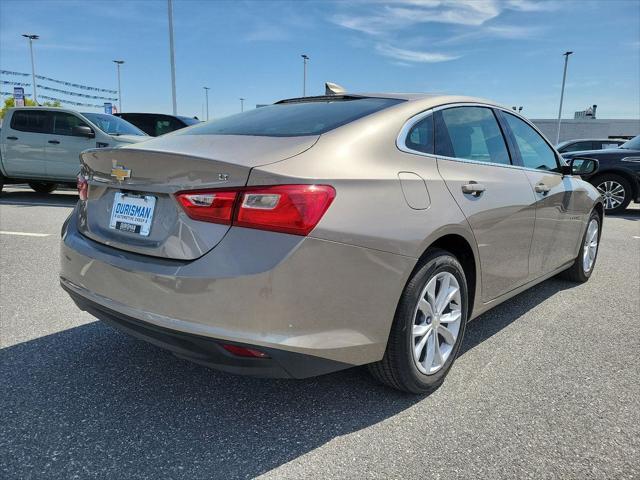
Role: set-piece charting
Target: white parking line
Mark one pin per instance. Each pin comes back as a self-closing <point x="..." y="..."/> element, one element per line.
<point x="636" y="237"/>
<point x="25" y="234"/>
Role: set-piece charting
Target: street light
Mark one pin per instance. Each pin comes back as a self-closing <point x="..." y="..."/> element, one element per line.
<point x="241" y="104"/>
<point x="172" y="59"/>
<point x="31" y="38"/>
<point x="305" y="59"/>
<point x="206" y="95"/>
<point x="564" y="77"/>
<point x="118" y="63"/>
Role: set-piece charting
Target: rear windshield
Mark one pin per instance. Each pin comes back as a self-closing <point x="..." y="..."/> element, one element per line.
<point x="293" y="119"/>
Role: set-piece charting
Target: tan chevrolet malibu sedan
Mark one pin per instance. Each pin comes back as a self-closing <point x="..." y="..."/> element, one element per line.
<point x="321" y="233"/>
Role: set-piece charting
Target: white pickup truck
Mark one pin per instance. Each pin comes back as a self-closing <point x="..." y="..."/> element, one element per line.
<point x="41" y="146"/>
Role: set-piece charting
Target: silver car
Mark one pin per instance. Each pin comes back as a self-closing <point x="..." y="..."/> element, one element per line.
<point x="322" y="233"/>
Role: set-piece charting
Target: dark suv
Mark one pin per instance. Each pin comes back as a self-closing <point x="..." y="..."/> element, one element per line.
<point x="588" y="144"/>
<point x="156" y="124"/>
<point x="618" y="178"/>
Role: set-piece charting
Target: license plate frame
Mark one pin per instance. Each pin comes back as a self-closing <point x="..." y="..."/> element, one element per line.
<point x="133" y="214"/>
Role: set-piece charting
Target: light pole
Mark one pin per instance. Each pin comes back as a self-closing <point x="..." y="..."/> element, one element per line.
<point x="564" y="77"/>
<point x="172" y="59"/>
<point x="305" y="59"/>
<point x="206" y="96"/>
<point x="241" y="104"/>
<point x="31" y="38"/>
<point x="118" y="63"/>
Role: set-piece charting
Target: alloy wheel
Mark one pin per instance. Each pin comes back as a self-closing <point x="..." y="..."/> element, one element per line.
<point x="590" y="247"/>
<point x="613" y="194"/>
<point x="436" y="322"/>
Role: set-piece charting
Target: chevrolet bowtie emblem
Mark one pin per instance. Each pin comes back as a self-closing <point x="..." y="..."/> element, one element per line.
<point x="119" y="172"/>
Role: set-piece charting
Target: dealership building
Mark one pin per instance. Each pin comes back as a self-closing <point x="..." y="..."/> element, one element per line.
<point x="586" y="125"/>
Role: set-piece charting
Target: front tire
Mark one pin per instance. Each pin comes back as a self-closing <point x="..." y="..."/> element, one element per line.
<point x="585" y="262"/>
<point x="428" y="327"/>
<point x="43" y="187"/>
<point x="615" y="190"/>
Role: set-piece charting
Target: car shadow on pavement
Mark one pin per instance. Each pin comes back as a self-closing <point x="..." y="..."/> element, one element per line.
<point x="28" y="198"/>
<point x="90" y="401"/>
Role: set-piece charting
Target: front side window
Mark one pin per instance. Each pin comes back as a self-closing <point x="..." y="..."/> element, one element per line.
<point x="471" y="133"/>
<point x="534" y="151"/>
<point x="420" y="137"/>
<point x="63" y="123"/>
<point x="113" y="125"/>
<point x="36" y="121"/>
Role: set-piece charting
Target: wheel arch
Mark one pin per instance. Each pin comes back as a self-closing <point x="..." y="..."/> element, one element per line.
<point x="462" y="247"/>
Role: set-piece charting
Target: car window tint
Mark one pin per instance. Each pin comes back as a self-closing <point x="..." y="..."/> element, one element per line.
<point x="534" y="151"/>
<point x="63" y="123"/>
<point x="472" y="133"/>
<point x="294" y="118"/>
<point x="577" y="146"/>
<point x="30" y="121"/>
<point x="609" y="145"/>
<point x="420" y="136"/>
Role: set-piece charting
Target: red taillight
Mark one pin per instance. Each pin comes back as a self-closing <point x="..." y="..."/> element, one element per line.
<point x="216" y="207"/>
<point x="244" y="351"/>
<point x="294" y="209"/>
<point x="83" y="187"/>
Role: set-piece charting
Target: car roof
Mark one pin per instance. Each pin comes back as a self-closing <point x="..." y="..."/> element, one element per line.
<point x="594" y="140"/>
<point x="433" y="97"/>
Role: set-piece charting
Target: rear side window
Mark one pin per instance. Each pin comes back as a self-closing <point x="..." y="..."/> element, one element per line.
<point x="420" y="137"/>
<point x="36" y="121"/>
<point x="299" y="118"/>
<point x="63" y="123"/>
<point x="534" y="151"/>
<point x="471" y="133"/>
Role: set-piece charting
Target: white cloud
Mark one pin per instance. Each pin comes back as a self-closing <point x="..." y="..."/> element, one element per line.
<point x="533" y="6"/>
<point x="415" y="56"/>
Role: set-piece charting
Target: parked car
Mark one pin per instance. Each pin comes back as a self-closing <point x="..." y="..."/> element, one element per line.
<point x="321" y="233"/>
<point x="156" y="124"/>
<point x="588" y="144"/>
<point x="41" y="146"/>
<point x="618" y="179"/>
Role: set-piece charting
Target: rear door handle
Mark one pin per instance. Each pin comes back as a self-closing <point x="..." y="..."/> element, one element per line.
<point x="12" y="138"/>
<point x="55" y="142"/>
<point x="473" y="188"/>
<point x="542" y="188"/>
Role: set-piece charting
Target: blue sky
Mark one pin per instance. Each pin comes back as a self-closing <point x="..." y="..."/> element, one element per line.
<point x="506" y="50"/>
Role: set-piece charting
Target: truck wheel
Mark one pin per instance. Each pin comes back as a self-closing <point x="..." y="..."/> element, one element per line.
<point x="43" y="187"/>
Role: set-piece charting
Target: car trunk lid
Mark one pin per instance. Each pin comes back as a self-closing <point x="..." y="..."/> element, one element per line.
<point x="130" y="201"/>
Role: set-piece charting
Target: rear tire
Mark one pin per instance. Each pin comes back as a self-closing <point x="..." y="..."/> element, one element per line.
<point x="43" y="187"/>
<point x="584" y="264"/>
<point x="412" y="362"/>
<point x="615" y="190"/>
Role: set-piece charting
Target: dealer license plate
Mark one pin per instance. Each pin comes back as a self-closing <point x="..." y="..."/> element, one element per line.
<point x="132" y="213"/>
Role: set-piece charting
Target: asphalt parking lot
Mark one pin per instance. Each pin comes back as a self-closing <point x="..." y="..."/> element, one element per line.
<point x="547" y="386"/>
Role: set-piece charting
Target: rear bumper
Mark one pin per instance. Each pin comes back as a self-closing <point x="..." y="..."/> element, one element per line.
<point x="319" y="302"/>
<point x="208" y="351"/>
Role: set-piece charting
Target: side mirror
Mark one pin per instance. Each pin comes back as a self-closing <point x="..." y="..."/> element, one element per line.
<point x="83" y="131"/>
<point x="580" y="166"/>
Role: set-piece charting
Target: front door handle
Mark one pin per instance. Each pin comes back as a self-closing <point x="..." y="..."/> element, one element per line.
<point x="542" y="188"/>
<point x="12" y="138"/>
<point x="55" y="142"/>
<point x="473" y="188"/>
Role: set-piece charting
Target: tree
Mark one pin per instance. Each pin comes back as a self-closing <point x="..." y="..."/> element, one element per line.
<point x="10" y="103"/>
